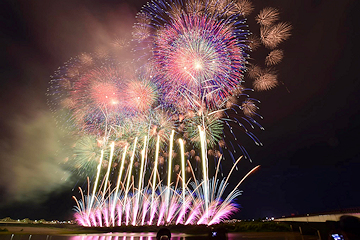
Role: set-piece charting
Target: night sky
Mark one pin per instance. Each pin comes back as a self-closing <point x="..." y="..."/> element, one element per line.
<point x="310" y="158"/>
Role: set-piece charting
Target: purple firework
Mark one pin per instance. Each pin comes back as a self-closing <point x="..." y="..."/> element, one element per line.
<point x="201" y="55"/>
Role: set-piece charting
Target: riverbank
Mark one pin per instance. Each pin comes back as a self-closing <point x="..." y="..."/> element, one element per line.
<point x="42" y="229"/>
<point x="60" y="229"/>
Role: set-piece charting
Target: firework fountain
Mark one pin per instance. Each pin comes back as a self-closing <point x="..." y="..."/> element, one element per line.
<point x="195" y="202"/>
<point x="173" y="105"/>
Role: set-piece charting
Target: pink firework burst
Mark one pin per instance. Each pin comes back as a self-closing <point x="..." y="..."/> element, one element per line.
<point x="201" y="54"/>
<point x="141" y="95"/>
<point x="98" y="98"/>
<point x="104" y="93"/>
<point x="201" y="60"/>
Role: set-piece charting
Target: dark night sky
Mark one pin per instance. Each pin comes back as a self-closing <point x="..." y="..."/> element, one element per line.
<point x="310" y="158"/>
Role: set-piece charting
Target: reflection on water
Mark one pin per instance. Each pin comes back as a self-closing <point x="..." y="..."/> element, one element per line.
<point x="124" y="236"/>
<point x="152" y="236"/>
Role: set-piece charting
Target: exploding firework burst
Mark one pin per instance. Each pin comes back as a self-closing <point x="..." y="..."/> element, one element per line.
<point x="86" y="154"/>
<point x="98" y="98"/>
<point x="184" y="43"/>
<point x="160" y="125"/>
<point x="119" y="43"/>
<point x="265" y="81"/>
<point x="202" y="59"/>
<point x="62" y="85"/>
<point x="254" y="42"/>
<point x="142" y="94"/>
<point x="254" y="71"/>
<point x="272" y="36"/>
<point x="190" y="84"/>
<point x="249" y="108"/>
<point x="274" y="57"/>
<point x="272" y="33"/>
<point x="245" y="7"/>
<point x="267" y="16"/>
<point x="213" y="127"/>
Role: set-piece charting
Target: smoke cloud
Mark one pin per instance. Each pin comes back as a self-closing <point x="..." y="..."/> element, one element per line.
<point x="31" y="163"/>
<point x="48" y="33"/>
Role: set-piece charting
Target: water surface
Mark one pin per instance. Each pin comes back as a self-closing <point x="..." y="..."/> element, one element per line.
<point x="152" y="236"/>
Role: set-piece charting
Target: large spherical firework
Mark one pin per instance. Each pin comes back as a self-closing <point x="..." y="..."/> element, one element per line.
<point x="98" y="98"/>
<point x="142" y="94"/>
<point x="62" y="83"/>
<point x="200" y="53"/>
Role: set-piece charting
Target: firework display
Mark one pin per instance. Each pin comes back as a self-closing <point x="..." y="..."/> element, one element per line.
<point x="201" y="52"/>
<point x="197" y="202"/>
<point x="151" y="124"/>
